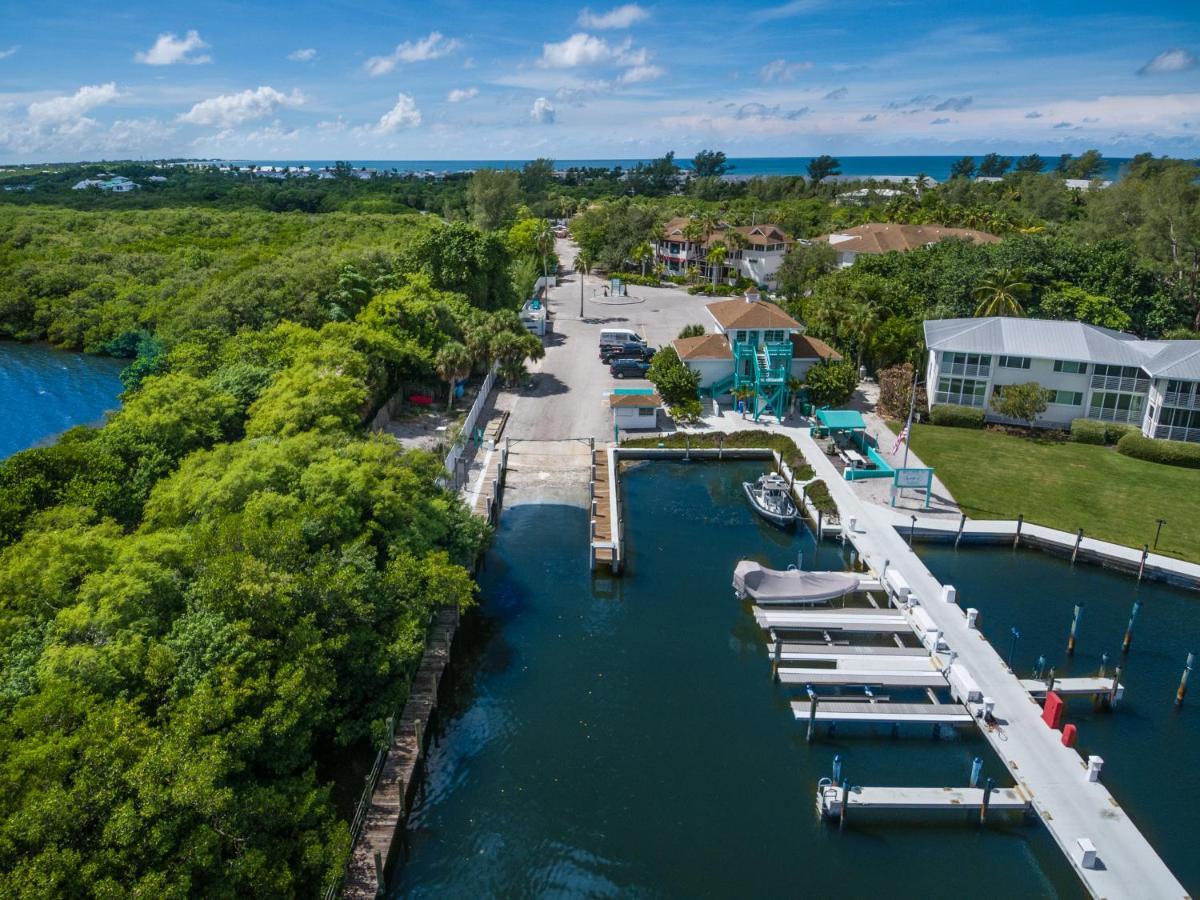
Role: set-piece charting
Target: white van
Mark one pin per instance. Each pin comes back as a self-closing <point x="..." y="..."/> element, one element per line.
<point x="611" y="337"/>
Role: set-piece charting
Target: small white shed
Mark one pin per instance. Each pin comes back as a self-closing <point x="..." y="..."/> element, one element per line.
<point x="635" y="411"/>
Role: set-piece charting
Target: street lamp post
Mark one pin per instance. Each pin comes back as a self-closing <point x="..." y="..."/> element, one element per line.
<point x="912" y="530"/>
<point x="1158" y="531"/>
<point x="1016" y="635"/>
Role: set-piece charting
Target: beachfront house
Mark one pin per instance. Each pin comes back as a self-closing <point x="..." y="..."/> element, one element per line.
<point x="755" y="346"/>
<point x="876" y="238"/>
<point x="1087" y="372"/>
<point x="751" y="251"/>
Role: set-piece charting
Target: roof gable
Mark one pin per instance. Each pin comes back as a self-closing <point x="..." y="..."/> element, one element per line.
<point x="742" y="313"/>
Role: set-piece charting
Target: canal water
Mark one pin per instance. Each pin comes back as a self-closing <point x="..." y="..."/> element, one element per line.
<point x="622" y="737"/>
<point x="44" y="391"/>
<point x="1148" y="746"/>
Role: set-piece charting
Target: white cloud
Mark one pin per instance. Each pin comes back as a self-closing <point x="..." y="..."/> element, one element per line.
<point x="304" y="54"/>
<point x="782" y="70"/>
<point x="621" y="17"/>
<point x="458" y="95"/>
<point x="64" y="110"/>
<point x="435" y="46"/>
<point x="403" y="115"/>
<point x="1174" y="60"/>
<point x="332" y="126"/>
<point x="582" y="49"/>
<point x="640" y="73"/>
<point x="542" y="111"/>
<point x="5" y="54"/>
<point x="170" y="49"/>
<point x="229" y="110"/>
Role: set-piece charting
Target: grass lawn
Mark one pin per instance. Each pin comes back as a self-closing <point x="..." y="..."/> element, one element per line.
<point x="1066" y="486"/>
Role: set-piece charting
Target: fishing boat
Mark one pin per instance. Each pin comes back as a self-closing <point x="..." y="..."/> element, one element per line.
<point x="772" y="500"/>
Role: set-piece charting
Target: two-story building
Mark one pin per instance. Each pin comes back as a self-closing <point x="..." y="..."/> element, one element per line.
<point x="751" y="251"/>
<point x="756" y="346"/>
<point x="1087" y="371"/>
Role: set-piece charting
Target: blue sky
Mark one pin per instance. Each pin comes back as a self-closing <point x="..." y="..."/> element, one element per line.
<point x="512" y="80"/>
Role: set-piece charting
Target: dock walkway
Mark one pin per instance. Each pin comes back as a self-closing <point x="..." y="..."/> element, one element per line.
<point x="1054" y="777"/>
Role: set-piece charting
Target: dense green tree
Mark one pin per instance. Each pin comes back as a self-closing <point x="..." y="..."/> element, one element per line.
<point x="1001" y="293"/>
<point x="1031" y="163"/>
<point x="964" y="167"/>
<point x="1023" y="402"/>
<point x="493" y="195"/>
<point x="830" y="382"/>
<point x="822" y="167"/>
<point x="675" y="381"/>
<point x="802" y="266"/>
<point x="710" y="164"/>
<point x="993" y="165"/>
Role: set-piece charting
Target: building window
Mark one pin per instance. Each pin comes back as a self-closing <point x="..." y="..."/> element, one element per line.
<point x="739" y="337"/>
<point x="961" y="391"/>
<point x="1065" y="398"/>
<point x="774" y="337"/>
<point x="1118" y="371"/>
<point x="966" y="364"/>
<point x="1014" y="362"/>
<point x="1070" y="368"/>
<point x="645" y="410"/>
<point x="1111" y="406"/>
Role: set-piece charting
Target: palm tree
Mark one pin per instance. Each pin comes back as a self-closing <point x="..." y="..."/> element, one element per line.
<point x="716" y="260"/>
<point x="452" y="362"/>
<point x="641" y="254"/>
<point x="736" y="242"/>
<point x="583" y="265"/>
<point x="919" y="183"/>
<point x="694" y="233"/>
<point x="859" y="322"/>
<point x="543" y="240"/>
<point x="1001" y="293"/>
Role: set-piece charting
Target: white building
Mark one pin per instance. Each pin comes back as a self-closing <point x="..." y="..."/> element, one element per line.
<point x="1087" y="371"/>
<point x="751" y="251"/>
<point x="875" y="238"/>
<point x="635" y="411"/>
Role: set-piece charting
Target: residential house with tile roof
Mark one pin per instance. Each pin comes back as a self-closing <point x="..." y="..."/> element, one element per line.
<point x="756" y="252"/>
<point x="876" y="238"/>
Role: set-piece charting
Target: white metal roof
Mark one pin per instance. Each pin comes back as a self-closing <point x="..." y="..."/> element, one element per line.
<point x="1074" y="341"/>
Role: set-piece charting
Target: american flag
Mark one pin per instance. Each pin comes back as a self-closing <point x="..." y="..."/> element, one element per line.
<point x="900" y="439"/>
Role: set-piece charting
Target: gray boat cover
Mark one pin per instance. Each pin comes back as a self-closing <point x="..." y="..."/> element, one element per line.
<point x="763" y="585"/>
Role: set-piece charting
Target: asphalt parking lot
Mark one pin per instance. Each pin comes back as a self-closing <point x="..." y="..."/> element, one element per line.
<point x="568" y="393"/>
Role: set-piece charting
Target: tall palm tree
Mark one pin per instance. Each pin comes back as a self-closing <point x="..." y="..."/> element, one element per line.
<point x="694" y="233"/>
<point x="1001" y="293"/>
<point x="716" y="260"/>
<point x="736" y="242"/>
<point x="920" y="182"/>
<point x="583" y="265"/>
<point x="543" y="240"/>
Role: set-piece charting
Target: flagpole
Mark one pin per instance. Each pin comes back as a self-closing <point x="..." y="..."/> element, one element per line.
<point x="912" y="407"/>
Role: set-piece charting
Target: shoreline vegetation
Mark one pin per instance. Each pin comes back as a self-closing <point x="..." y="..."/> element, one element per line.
<point x="208" y="602"/>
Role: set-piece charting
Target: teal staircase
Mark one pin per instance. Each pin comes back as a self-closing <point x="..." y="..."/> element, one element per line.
<point x="763" y="368"/>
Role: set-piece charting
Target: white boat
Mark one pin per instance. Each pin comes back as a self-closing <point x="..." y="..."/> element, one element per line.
<point x="793" y="587"/>
<point x="772" y="500"/>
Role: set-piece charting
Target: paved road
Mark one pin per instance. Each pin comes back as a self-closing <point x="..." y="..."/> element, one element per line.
<point x="568" y="396"/>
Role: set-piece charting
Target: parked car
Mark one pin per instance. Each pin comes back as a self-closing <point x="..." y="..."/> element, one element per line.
<point x="626" y="351"/>
<point x="629" y="368"/>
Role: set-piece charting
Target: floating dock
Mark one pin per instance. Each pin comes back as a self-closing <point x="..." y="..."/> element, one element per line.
<point x="1076" y="687"/>
<point x="883" y="713"/>
<point x="830" y="799"/>
<point x="862" y="621"/>
<point x="863" y="677"/>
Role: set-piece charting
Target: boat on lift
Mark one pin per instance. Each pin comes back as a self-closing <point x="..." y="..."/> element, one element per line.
<point x="791" y="587"/>
<point x="772" y="499"/>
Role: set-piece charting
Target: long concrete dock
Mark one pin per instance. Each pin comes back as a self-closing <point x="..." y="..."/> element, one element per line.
<point x="884" y="713"/>
<point x="1055" y="778"/>
<point x="1076" y="687"/>
<point x="924" y="799"/>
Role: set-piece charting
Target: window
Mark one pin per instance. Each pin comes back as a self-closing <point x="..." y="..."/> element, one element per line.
<point x="739" y="337"/>
<point x="962" y="391"/>
<point x="966" y="363"/>
<point x="1065" y="398"/>
<point x="1071" y="368"/>
<point x="1119" y="371"/>
<point x="646" y="410"/>
<point x="1014" y="362"/>
<point x="774" y="336"/>
<point x="1112" y="406"/>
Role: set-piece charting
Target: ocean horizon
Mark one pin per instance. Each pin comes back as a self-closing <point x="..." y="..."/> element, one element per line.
<point x="936" y="167"/>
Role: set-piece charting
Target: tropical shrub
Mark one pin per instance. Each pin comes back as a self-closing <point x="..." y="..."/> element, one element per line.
<point x="950" y="415"/>
<point x="1023" y="402"/>
<point x="831" y="382"/>
<point x="1094" y="431"/>
<point x="1169" y="453"/>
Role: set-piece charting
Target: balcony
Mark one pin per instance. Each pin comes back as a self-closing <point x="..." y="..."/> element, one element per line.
<point x="971" y="370"/>
<point x="1138" y="385"/>
<point x="1181" y="399"/>
<point x="1126" y="416"/>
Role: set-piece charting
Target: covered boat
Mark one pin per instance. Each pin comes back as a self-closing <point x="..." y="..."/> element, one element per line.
<point x="772" y="500"/>
<point x="768" y="587"/>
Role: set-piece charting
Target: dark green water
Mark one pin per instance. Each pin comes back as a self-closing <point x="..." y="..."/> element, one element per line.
<point x="622" y="737"/>
<point x="1149" y="747"/>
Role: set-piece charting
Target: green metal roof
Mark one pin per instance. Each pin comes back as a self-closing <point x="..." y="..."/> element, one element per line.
<point x="841" y="419"/>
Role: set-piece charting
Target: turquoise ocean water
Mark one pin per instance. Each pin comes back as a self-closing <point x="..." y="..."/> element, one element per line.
<point x="43" y="392"/>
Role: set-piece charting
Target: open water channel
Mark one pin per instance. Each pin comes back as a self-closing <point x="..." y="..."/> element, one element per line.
<point x="622" y="737"/>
